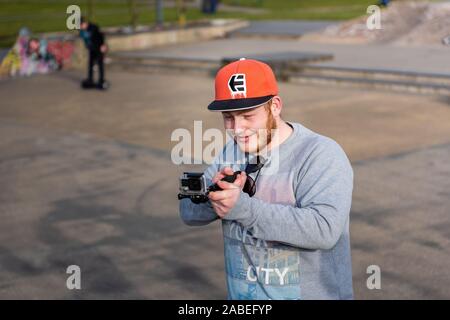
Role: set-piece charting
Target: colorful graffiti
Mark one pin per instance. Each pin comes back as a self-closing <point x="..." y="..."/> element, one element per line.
<point x="31" y="55"/>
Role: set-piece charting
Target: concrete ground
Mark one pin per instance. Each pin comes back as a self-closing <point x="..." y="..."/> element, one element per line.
<point x="87" y="179"/>
<point x="292" y="28"/>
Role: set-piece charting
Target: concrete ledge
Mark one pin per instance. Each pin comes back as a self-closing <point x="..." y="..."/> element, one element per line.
<point x="281" y="62"/>
<point x="145" y="40"/>
<point x="294" y="67"/>
<point x="156" y="64"/>
<point x="401" y="86"/>
<point x="376" y="74"/>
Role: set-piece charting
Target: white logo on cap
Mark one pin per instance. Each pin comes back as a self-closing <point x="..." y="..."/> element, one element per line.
<point x="237" y="85"/>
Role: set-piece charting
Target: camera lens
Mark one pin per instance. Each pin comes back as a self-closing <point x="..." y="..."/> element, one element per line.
<point x="195" y="184"/>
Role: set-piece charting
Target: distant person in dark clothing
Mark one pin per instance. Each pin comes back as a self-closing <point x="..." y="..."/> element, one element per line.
<point x="209" y="6"/>
<point x="95" y="43"/>
<point x="214" y="4"/>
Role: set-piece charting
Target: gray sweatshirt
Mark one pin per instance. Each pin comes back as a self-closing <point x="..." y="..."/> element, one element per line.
<point x="291" y="239"/>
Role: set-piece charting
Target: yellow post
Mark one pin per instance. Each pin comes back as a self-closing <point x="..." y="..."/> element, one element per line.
<point x="181" y="13"/>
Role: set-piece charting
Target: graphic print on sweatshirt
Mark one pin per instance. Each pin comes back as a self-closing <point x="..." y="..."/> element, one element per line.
<point x="258" y="269"/>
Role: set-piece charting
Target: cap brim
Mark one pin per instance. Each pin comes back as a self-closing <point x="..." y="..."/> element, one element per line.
<point x="238" y="104"/>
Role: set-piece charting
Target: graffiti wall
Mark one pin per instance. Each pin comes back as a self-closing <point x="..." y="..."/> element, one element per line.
<point x="31" y="55"/>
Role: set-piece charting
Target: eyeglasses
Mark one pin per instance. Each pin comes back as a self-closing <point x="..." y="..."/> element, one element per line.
<point x="250" y="184"/>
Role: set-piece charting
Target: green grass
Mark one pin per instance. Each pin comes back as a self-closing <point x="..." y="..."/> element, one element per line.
<point x="294" y="4"/>
<point x="50" y="15"/>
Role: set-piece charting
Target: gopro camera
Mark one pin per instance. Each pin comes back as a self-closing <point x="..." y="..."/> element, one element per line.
<point x="193" y="186"/>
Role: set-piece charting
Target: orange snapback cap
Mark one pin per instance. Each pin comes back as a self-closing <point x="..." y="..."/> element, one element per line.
<point x="243" y="84"/>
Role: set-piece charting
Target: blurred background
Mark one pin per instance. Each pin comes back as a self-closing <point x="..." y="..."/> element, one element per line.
<point x="86" y="176"/>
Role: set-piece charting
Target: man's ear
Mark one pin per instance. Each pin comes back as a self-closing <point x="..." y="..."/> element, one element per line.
<point x="276" y="106"/>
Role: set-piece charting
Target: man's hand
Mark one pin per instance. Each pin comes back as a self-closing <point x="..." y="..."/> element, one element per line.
<point x="103" y="48"/>
<point x="223" y="201"/>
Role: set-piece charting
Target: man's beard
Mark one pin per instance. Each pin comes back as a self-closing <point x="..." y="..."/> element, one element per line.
<point x="270" y="126"/>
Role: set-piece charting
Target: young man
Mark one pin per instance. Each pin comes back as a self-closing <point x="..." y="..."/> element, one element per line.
<point x="285" y="219"/>
<point x="94" y="41"/>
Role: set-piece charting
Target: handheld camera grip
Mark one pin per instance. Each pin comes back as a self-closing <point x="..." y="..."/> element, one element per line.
<point x="229" y="179"/>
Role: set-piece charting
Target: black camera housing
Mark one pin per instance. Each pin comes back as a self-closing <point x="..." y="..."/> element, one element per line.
<point x="193" y="186"/>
